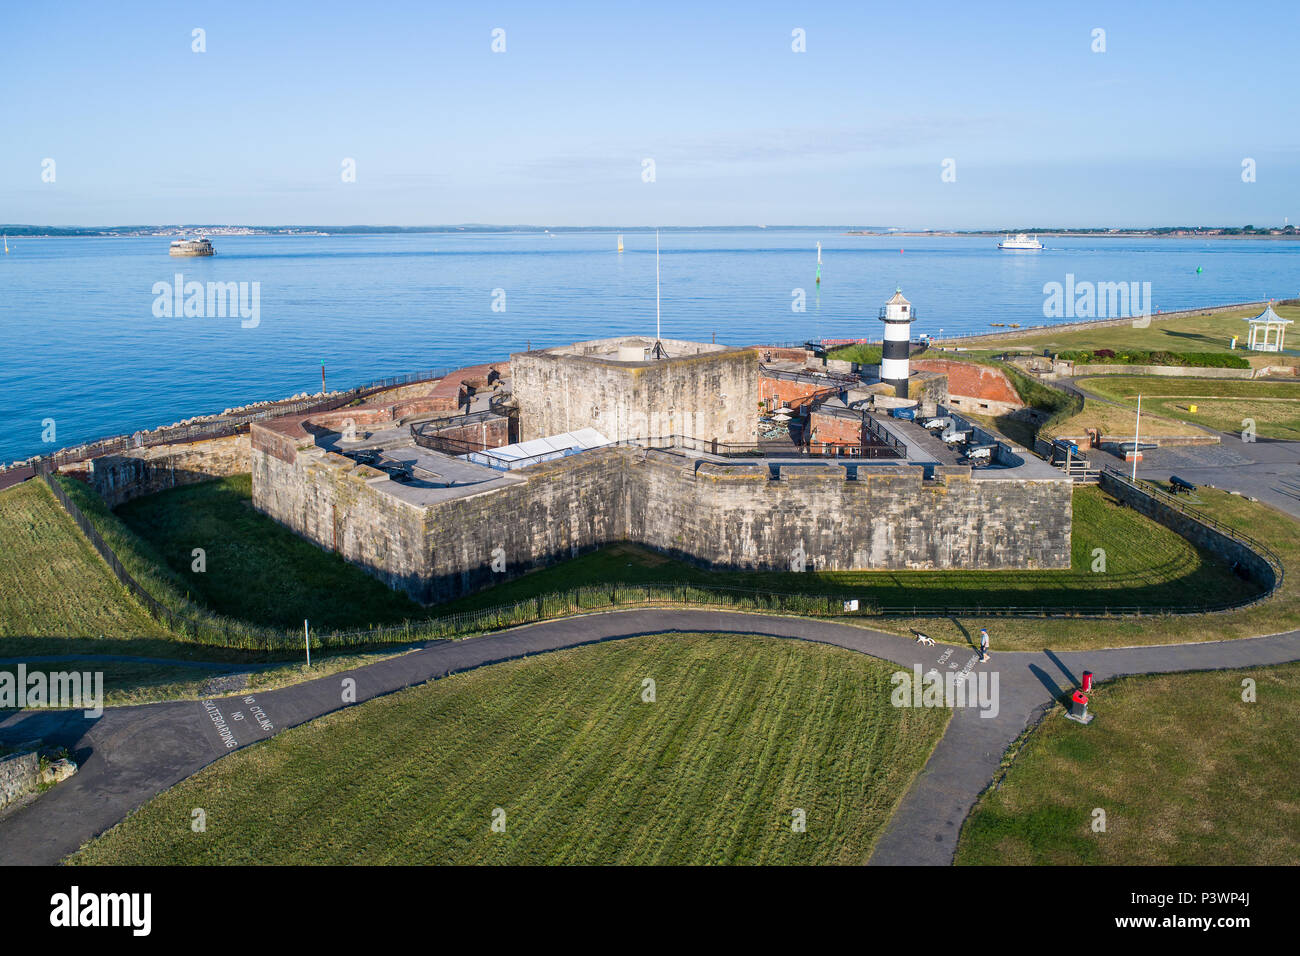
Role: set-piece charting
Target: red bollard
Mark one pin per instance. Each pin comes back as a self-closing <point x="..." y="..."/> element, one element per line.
<point x="1087" y="681"/>
<point x="1079" y="708"/>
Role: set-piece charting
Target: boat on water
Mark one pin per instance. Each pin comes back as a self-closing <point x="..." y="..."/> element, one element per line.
<point x="620" y="243"/>
<point x="1021" y="243"/>
<point x="192" y="247"/>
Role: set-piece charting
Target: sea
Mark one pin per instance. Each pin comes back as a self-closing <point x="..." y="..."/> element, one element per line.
<point x="92" y="345"/>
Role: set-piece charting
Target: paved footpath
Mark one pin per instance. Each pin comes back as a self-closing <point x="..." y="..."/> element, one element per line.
<point x="130" y="754"/>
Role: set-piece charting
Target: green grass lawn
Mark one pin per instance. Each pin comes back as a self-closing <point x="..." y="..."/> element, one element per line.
<point x="862" y="353"/>
<point x="744" y="731"/>
<point x="1223" y="404"/>
<point x="1112" y="422"/>
<point x="1186" y="772"/>
<point x="1191" y="333"/>
<point x="51" y="581"/>
<point x="258" y="570"/>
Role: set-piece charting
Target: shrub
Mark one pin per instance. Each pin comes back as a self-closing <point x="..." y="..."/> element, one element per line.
<point x="1158" y="357"/>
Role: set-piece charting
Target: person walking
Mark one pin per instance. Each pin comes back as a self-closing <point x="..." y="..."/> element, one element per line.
<point x="984" y="644"/>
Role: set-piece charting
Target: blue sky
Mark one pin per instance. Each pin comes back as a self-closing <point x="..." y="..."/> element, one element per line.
<point x="742" y="130"/>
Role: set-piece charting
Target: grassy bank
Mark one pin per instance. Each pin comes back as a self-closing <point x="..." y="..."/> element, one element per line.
<point x="743" y="731"/>
<point x="1226" y="773"/>
<point x="862" y="353"/>
<point x="1195" y="332"/>
<point x="51" y="581"/>
<point x="256" y="569"/>
<point x="1112" y="421"/>
<point x="1221" y="404"/>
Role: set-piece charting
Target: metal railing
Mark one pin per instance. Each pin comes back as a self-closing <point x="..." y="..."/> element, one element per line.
<point x="832" y="380"/>
<point x="884" y="437"/>
<point x="762" y="450"/>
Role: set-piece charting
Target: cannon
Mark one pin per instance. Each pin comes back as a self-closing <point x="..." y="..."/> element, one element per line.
<point x="1180" y="485"/>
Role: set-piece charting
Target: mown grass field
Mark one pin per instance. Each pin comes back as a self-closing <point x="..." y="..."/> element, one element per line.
<point x="743" y="731"/>
<point x="1186" y="772"/>
<point x="258" y="569"/>
<point x="51" y="581"/>
<point x="1274" y="407"/>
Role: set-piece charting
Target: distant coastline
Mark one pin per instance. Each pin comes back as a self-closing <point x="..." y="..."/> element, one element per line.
<point x="1155" y="232"/>
<point x="1209" y="233"/>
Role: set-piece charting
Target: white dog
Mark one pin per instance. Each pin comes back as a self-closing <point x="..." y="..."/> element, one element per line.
<point x="922" y="639"/>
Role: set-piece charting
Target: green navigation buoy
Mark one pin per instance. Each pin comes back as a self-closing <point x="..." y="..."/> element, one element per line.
<point x="1198" y="270"/>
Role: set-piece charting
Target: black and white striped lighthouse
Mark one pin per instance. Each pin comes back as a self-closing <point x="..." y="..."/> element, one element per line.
<point x="894" y="366"/>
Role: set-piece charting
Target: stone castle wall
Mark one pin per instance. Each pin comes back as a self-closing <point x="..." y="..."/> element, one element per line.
<point x="331" y="500"/>
<point x="726" y="516"/>
<point x="144" y="471"/>
<point x="738" y="517"/>
<point x="710" y="395"/>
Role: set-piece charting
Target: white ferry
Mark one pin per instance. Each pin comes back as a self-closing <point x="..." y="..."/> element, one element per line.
<point x="1022" y="243"/>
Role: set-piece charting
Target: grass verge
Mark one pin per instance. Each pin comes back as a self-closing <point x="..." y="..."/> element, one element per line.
<point x="1226" y="773"/>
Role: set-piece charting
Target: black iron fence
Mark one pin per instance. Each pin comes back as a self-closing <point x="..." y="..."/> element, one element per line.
<point x="882" y="436"/>
<point x="192" y="625"/>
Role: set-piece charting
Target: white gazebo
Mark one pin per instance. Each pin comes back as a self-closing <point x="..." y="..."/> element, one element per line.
<point x="1266" y="322"/>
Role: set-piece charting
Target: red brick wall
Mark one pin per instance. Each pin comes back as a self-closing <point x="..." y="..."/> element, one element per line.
<point x="833" y="430"/>
<point x="970" y="380"/>
<point x="490" y="434"/>
<point x="794" y="394"/>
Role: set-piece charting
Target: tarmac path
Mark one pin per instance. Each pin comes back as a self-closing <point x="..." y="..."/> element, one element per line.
<point x="130" y="754"/>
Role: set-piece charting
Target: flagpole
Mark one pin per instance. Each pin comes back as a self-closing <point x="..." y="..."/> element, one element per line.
<point x="1137" y="430"/>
